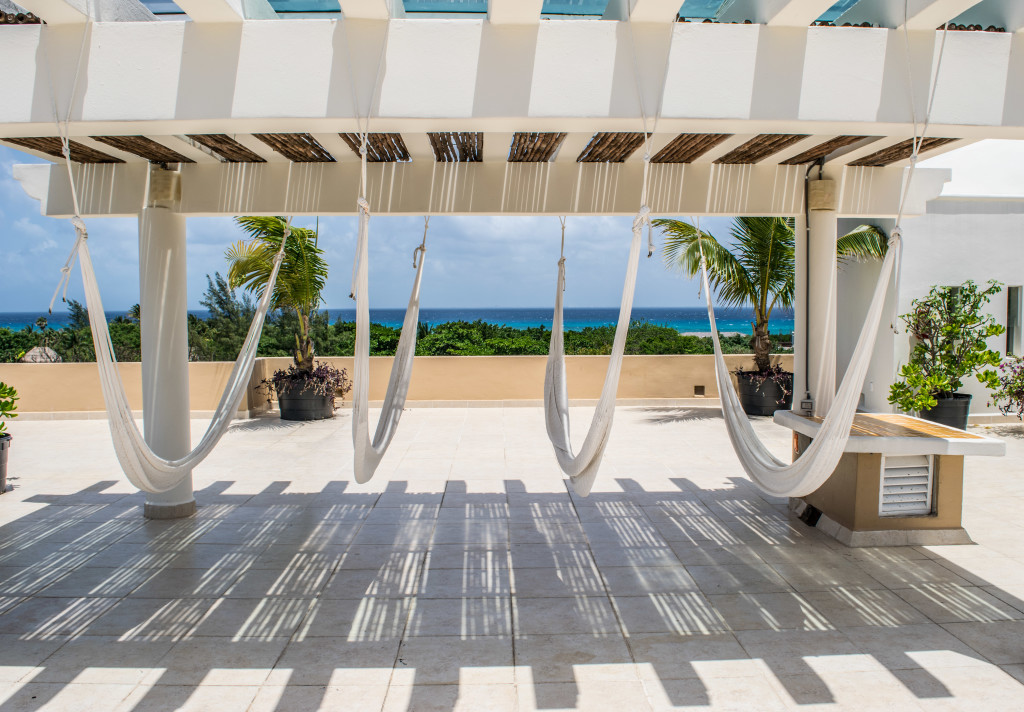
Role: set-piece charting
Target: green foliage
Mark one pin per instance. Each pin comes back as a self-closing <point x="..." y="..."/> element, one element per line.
<point x="1008" y="395"/>
<point x="220" y="336"/>
<point x="300" y="280"/>
<point x="949" y="332"/>
<point x="8" y="404"/>
<point x="760" y="270"/>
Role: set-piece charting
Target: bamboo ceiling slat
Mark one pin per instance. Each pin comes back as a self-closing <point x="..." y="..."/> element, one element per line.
<point x="760" y="147"/>
<point x="899" y="152"/>
<point x="227" y="148"/>
<point x="144" y="148"/>
<point x="687" y="148"/>
<point x="51" y="146"/>
<point x="380" y="147"/>
<point x="454" y="147"/>
<point x="608" y="147"/>
<point x="534" y="147"/>
<point x="297" y="147"/>
<point x="822" y="150"/>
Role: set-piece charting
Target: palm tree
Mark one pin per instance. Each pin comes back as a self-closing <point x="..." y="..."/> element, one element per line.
<point x="300" y="281"/>
<point x="760" y="270"/>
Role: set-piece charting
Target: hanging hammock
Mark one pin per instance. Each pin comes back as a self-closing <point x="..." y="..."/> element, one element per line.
<point x="583" y="466"/>
<point x="819" y="460"/>
<point x="816" y="464"/>
<point x="144" y="468"/>
<point x="367" y="453"/>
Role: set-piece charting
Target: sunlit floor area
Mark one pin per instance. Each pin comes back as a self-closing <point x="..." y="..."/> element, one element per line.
<point x="466" y="576"/>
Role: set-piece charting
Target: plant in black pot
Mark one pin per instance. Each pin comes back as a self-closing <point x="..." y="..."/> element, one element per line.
<point x="1009" y="393"/>
<point x="949" y="332"/>
<point x="8" y="406"/>
<point x="757" y="270"/>
<point x="306" y="390"/>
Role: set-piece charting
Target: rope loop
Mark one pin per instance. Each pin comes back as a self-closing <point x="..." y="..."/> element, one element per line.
<point x="363" y="206"/>
<point x="79" y="225"/>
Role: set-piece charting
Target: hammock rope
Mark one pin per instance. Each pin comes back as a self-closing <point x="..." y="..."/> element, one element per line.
<point x="582" y="467"/>
<point x="818" y="461"/>
<point x="144" y="469"/>
<point x="367" y="452"/>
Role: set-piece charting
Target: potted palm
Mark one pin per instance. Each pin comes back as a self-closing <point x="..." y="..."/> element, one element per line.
<point x="8" y="404"/>
<point x="306" y="390"/>
<point x="758" y="270"/>
<point x="949" y="334"/>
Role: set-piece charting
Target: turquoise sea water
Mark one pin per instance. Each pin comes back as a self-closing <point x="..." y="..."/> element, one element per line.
<point x="691" y="320"/>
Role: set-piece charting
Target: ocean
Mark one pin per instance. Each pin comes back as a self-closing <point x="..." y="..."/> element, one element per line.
<point x="688" y="320"/>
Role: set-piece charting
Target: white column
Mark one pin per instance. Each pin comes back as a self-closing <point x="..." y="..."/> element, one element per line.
<point x="821" y="295"/>
<point x="162" y="288"/>
<point x="800" y="314"/>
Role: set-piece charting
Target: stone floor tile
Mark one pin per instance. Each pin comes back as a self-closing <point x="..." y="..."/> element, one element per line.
<point x="103" y="660"/>
<point x="52" y="618"/>
<point x="62" y="697"/>
<point x="218" y="661"/>
<point x="1002" y="643"/>
<point x="189" y="698"/>
<point x="953" y="603"/>
<point x="468" y="617"/>
<point x="790" y="652"/>
<point x="589" y="696"/>
<point x="335" y="661"/>
<point x="450" y="698"/>
<point x="151" y="618"/>
<point x="898" y="647"/>
<point x="584" y="615"/>
<point x="363" y="619"/>
<point x="568" y="658"/>
<point x="769" y="611"/>
<point x="850" y="607"/>
<point x="19" y="657"/>
<point x="252" y="619"/>
<point x="684" y="613"/>
<point x="399" y="579"/>
<point x="314" y="698"/>
<point x="754" y="693"/>
<point x="452" y="661"/>
<point x="738" y="578"/>
<point x="870" y="691"/>
<point x="642" y="580"/>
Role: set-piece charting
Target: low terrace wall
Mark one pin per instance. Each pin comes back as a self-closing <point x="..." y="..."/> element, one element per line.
<point x="73" y="389"/>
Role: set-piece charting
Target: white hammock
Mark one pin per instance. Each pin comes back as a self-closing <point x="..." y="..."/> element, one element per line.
<point x="367" y="453"/>
<point x="819" y="460"/>
<point x="582" y="467"/>
<point x="144" y="468"/>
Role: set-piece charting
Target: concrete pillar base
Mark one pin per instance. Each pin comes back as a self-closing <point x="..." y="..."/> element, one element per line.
<point x="169" y="511"/>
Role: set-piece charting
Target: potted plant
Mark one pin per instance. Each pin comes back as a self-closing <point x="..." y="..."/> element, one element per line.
<point x="757" y="271"/>
<point x="1009" y="393"/>
<point x="306" y="390"/>
<point x="949" y="332"/>
<point x="8" y="404"/>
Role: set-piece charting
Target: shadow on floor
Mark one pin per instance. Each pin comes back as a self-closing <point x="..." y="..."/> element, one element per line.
<point x="291" y="596"/>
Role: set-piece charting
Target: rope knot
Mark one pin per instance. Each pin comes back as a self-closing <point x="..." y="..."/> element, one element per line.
<point x="417" y="254"/>
<point x="363" y="205"/>
<point x="362" y="150"/>
<point x="643" y="215"/>
<point x="79" y="225"/>
<point x="896" y="235"/>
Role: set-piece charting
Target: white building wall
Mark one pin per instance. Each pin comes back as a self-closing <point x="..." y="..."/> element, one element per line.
<point x="956" y="240"/>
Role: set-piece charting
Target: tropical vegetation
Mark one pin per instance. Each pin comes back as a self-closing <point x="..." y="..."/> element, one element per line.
<point x="8" y="405"/>
<point x="759" y="268"/>
<point x="1008" y="395"/>
<point x="949" y="331"/>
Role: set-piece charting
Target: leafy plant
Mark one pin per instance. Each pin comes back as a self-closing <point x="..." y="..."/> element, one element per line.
<point x="8" y="404"/>
<point x="322" y="380"/>
<point x="300" y="281"/>
<point x="949" y="332"/>
<point x="760" y="269"/>
<point x="1009" y="393"/>
<point x="774" y="373"/>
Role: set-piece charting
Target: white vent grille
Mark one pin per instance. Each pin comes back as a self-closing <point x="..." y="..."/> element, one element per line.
<point x="906" y="488"/>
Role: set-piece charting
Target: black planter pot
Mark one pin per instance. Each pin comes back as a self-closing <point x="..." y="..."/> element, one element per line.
<point x="5" y="448"/>
<point x="950" y="410"/>
<point x="304" y="406"/>
<point x="763" y="399"/>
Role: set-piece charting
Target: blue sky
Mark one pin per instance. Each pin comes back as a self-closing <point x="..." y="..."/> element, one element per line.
<point x="472" y="261"/>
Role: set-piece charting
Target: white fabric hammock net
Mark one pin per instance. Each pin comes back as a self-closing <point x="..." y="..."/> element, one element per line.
<point x="819" y="460"/>
<point x="144" y="468"/>
<point x="582" y="467"/>
<point x="368" y="453"/>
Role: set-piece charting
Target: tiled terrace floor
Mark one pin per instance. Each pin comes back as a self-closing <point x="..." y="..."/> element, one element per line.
<point x="466" y="577"/>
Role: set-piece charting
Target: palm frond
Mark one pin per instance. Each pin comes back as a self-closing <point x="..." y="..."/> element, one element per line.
<point x="863" y="244"/>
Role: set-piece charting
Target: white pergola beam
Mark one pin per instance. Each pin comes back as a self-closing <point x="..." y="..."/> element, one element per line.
<point x="227" y="10"/>
<point x="937" y="12"/>
<point x="67" y="12"/>
<point x="514" y="12"/>
<point x="495" y="188"/>
<point x="782" y="13"/>
<point x="370" y="9"/>
<point x="659" y="11"/>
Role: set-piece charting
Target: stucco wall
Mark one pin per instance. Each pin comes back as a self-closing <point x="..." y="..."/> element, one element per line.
<point x="74" y="387"/>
